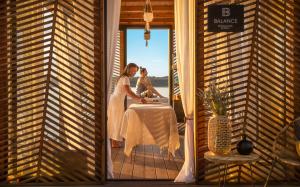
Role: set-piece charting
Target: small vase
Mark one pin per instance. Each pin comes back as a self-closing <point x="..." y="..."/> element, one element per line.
<point x="219" y="135"/>
<point x="245" y="147"/>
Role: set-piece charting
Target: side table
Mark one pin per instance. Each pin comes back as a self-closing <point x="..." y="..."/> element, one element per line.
<point x="231" y="159"/>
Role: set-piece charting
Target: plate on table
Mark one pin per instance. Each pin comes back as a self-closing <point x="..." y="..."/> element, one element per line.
<point x="152" y="101"/>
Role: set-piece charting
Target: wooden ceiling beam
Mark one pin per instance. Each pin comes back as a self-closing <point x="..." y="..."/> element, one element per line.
<point x="140" y="15"/>
<point x="158" y="8"/>
<point x="142" y="25"/>
<point x="142" y="20"/>
<point x="153" y="3"/>
<point x="145" y="1"/>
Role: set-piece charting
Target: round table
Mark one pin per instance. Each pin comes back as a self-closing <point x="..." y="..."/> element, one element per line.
<point x="233" y="158"/>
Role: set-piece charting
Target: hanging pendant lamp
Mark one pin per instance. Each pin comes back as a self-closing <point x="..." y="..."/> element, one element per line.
<point x="148" y="17"/>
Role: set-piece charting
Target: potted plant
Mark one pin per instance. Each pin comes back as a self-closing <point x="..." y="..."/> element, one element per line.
<point x="219" y="125"/>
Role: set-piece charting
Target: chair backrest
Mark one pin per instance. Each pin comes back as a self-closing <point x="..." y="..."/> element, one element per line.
<point x="286" y="140"/>
<point x="296" y="125"/>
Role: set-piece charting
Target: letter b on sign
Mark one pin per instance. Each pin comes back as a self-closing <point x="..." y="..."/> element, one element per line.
<point x="225" y="12"/>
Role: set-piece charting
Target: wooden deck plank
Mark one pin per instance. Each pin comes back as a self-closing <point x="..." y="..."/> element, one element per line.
<point x="127" y="168"/>
<point x="149" y="163"/>
<point x="118" y="162"/>
<point x="139" y="163"/>
<point x="114" y="152"/>
<point x="179" y="155"/>
<point x="172" y="169"/>
<point x="160" y="167"/>
<point x="178" y="160"/>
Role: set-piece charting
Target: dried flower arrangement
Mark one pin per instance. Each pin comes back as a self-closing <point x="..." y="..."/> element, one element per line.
<point x="216" y="99"/>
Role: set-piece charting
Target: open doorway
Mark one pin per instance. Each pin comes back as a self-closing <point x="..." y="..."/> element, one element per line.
<point x="147" y="162"/>
<point x="154" y="58"/>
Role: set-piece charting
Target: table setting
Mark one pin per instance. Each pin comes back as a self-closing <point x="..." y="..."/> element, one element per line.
<point x="153" y="123"/>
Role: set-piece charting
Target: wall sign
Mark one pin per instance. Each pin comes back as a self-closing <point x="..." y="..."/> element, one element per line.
<point x="225" y="18"/>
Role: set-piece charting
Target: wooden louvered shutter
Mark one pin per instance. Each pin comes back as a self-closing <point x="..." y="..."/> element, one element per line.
<point x="175" y="86"/>
<point x="297" y="58"/>
<point x="175" y="95"/>
<point x="260" y="67"/>
<point x="117" y="63"/>
<point x="51" y="91"/>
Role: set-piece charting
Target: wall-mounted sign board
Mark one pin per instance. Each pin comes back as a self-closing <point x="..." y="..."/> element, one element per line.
<point x="225" y="18"/>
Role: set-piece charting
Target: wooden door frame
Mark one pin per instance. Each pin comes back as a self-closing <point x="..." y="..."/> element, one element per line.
<point x="124" y="28"/>
<point x="170" y="29"/>
<point x="198" y="82"/>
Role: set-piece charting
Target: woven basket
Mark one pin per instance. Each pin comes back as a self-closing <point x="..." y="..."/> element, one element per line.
<point x="219" y="135"/>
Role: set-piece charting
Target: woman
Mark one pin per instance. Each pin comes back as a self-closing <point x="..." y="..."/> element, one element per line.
<point x="116" y="103"/>
<point x="144" y="86"/>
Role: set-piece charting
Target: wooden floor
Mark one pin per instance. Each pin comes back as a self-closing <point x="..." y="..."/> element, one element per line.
<point x="147" y="163"/>
<point x="171" y="184"/>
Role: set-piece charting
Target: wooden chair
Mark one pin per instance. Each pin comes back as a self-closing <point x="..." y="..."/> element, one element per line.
<point x="284" y="148"/>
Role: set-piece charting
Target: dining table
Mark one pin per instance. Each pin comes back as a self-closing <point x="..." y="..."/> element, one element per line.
<point x="150" y="124"/>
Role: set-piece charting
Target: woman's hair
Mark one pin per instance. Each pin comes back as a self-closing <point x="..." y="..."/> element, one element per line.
<point x="126" y="71"/>
<point x="142" y="70"/>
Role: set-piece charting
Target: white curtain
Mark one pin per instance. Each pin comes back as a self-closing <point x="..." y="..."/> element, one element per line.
<point x="185" y="39"/>
<point x="113" y="20"/>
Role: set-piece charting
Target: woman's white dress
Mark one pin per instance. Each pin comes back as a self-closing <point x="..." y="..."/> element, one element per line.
<point x="115" y="109"/>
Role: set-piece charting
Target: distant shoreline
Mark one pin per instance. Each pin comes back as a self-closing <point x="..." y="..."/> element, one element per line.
<point x="156" y="81"/>
<point x="162" y="90"/>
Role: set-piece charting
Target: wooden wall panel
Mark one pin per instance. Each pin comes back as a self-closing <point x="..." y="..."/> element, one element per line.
<point x="260" y="68"/>
<point x="297" y="58"/>
<point x="52" y="91"/>
<point x="99" y="89"/>
<point x="297" y="64"/>
<point x="3" y="94"/>
<point x="200" y="116"/>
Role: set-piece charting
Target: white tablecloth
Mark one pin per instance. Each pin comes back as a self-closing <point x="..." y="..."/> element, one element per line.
<point x="150" y="124"/>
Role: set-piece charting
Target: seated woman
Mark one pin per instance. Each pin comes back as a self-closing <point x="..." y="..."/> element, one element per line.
<point x="144" y="86"/>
